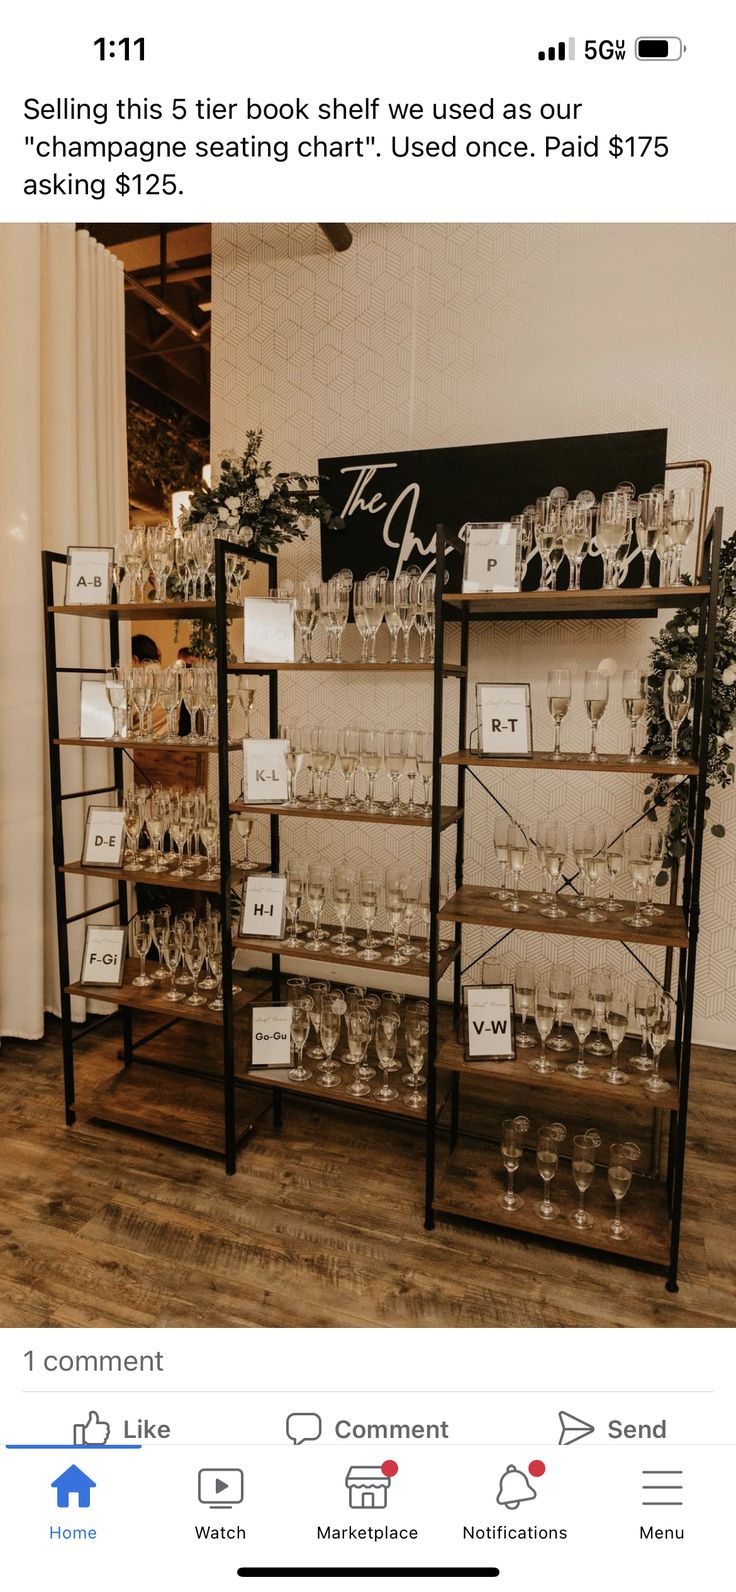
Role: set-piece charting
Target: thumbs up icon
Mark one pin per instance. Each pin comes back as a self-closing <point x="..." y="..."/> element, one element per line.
<point x="92" y="1433"/>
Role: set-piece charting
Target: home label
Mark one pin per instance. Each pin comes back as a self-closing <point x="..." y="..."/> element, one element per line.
<point x="490" y="1022"/>
<point x="492" y="557"/>
<point x="264" y="906"/>
<point x="268" y="630"/>
<point x="271" y="1036"/>
<point x="96" y="720"/>
<point x="88" y="575"/>
<point x="104" y="838"/>
<point x="103" y="961"/>
<point x="505" y="720"/>
<point x="265" y="777"/>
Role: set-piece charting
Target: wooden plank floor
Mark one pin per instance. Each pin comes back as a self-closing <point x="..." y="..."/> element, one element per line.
<point x="321" y="1226"/>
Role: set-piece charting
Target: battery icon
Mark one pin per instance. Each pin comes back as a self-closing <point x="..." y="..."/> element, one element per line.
<point x="662" y="49"/>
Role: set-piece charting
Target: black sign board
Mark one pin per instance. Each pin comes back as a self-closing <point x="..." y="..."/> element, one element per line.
<point x="392" y="502"/>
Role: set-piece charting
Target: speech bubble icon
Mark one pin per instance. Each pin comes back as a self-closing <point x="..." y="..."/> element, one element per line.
<point x="304" y="1426"/>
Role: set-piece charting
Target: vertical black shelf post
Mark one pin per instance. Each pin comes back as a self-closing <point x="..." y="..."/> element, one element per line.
<point x="57" y="829"/>
<point x="434" y="875"/>
<point x="225" y="898"/>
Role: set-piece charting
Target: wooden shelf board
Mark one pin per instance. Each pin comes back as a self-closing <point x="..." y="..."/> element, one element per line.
<point x="277" y="1078"/>
<point x="345" y="668"/>
<point x="163" y="881"/>
<point x="186" y="1111"/>
<point x="152" y="998"/>
<point x="575" y="762"/>
<point x="476" y="904"/>
<point x="169" y="610"/>
<point x="450" y="815"/>
<point x="473" y="1179"/>
<point x="618" y="603"/>
<point x="153" y="745"/>
<point x="416" y="968"/>
<point x="451" y="1058"/>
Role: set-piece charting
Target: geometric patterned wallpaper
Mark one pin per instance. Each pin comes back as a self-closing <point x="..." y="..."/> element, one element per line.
<point x="433" y="335"/>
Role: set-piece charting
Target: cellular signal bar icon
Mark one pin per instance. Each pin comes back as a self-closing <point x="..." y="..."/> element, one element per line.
<point x="558" y="52"/>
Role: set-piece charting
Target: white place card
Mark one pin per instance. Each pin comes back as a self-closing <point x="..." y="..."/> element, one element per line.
<point x="88" y="575"/>
<point x="489" y="1012"/>
<point x="104" y="837"/>
<point x="264" y="906"/>
<point x="96" y="718"/>
<point x="492" y="557"/>
<point x="504" y="719"/>
<point x="103" y="961"/>
<point x="265" y="776"/>
<point x="271" y="1036"/>
<point x="268" y="630"/>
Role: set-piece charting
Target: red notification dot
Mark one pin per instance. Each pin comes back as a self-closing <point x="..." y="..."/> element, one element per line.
<point x="389" y="1467"/>
<point x="537" y="1467"/>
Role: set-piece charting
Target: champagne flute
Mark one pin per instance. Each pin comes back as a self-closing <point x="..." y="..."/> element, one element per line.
<point x="621" y="1159"/>
<point x="634" y="696"/>
<point x="583" y="1009"/>
<point x="518" y="851"/>
<point x="656" y="852"/>
<point x="513" y="1130"/>
<point x="117" y="696"/>
<point x="544" y="1016"/>
<point x="416" y="1056"/>
<point x="140" y="940"/>
<point x="369" y="893"/>
<point x="617" y="1018"/>
<point x="613" y="519"/>
<point x="681" y="519"/>
<point x="575" y="538"/>
<point x="596" y="701"/>
<point x="296" y="884"/>
<point x="525" y="988"/>
<point x="614" y="866"/>
<point x="411" y="765"/>
<point x="560" y="984"/>
<point x="318" y="883"/>
<point x="330" y="1018"/>
<point x="584" y="1146"/>
<point x="589" y="846"/>
<point x="559" y="692"/>
<point x="358" y="1024"/>
<point x="677" y="693"/>
<point x="548" y="1155"/>
<point x="194" y="953"/>
<point x="160" y="927"/>
<point x="387" y="1028"/>
<point x="301" y="1007"/>
<point x="645" y="1004"/>
<point x="348" y="753"/>
<point x="553" y="849"/>
<point x="424" y="765"/>
<point x="394" y="760"/>
<point x="640" y="854"/>
<point x="394" y="899"/>
<point x="343" y="893"/>
<point x="173" y="949"/>
<point x="371" y="758"/>
<point x="649" y="519"/>
<point x="601" y="988"/>
<point x="318" y="988"/>
<point x="659" y="1032"/>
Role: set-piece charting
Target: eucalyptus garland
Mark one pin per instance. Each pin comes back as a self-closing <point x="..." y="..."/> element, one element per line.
<point x="676" y="648"/>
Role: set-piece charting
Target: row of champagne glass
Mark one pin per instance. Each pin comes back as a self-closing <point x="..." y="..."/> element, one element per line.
<point x="558" y="528"/>
<point x="189" y="951"/>
<point x="599" y="852"/>
<point x="368" y="1019"/>
<point x="622" y="1158"/>
<point x="180" y="827"/>
<point x="366" y="894"/>
<point x="404" y="604"/>
<point x="398" y="754"/>
<point x="183" y="560"/>
<point x="676" y="697"/>
<point x="147" y="700"/>
<point x="602" y="1009"/>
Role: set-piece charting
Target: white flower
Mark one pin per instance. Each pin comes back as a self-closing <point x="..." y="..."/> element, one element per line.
<point x="692" y="630"/>
<point x="232" y="503"/>
<point x="729" y="675"/>
<point x="232" y="519"/>
<point x="246" y="536"/>
<point x="264" y="487"/>
<point x="222" y="513"/>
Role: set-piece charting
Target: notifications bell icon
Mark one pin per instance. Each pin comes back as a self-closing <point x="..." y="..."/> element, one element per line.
<point x="514" y="1489"/>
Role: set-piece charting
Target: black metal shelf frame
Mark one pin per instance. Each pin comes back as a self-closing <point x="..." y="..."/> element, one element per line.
<point x="706" y="607"/>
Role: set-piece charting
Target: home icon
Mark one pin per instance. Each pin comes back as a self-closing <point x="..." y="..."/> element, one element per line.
<point x="367" y="1486"/>
<point x="73" y="1482"/>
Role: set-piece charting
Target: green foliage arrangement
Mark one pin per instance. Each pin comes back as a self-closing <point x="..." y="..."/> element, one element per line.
<point x="164" y="453"/>
<point x="676" y="648"/>
<point x="257" y="508"/>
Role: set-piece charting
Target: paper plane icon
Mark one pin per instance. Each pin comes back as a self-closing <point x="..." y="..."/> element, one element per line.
<point x="573" y="1427"/>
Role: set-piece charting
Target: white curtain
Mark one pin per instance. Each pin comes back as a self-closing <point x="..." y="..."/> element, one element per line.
<point x="63" y="480"/>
